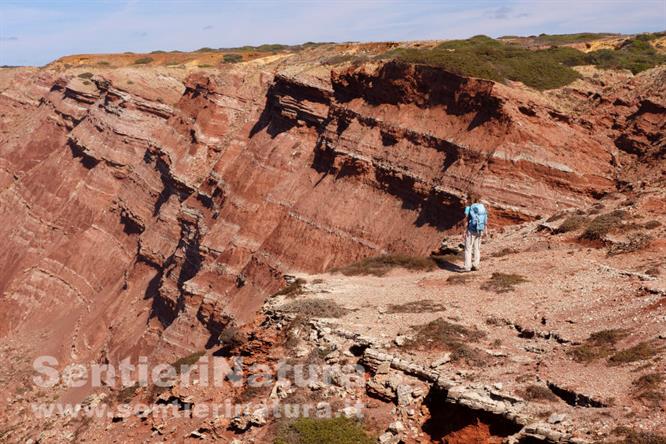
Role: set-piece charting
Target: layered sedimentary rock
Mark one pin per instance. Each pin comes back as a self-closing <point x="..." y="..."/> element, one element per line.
<point x="146" y="219"/>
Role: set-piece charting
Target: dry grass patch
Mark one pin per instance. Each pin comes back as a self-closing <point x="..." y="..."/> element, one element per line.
<point x="599" y="345"/>
<point x="315" y="308"/>
<point x="422" y="306"/>
<point x="503" y="282"/>
<point x="640" y="352"/>
<point x="380" y="265"/>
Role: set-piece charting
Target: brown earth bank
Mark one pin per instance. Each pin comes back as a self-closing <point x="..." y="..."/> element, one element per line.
<point x="150" y="211"/>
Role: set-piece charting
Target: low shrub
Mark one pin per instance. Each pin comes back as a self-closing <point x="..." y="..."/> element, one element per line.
<point x="339" y="430"/>
<point x="143" y="61"/>
<point x="380" y="265"/>
<point x="601" y="225"/>
<point x="538" y="393"/>
<point x="232" y="58"/>
<point x="503" y="282"/>
<point x="572" y="223"/>
<point x="85" y="75"/>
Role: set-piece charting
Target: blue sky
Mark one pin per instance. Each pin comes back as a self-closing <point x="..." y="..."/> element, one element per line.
<point x="37" y="32"/>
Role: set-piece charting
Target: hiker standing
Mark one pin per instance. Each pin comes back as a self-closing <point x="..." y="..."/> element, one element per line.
<point x="477" y="218"/>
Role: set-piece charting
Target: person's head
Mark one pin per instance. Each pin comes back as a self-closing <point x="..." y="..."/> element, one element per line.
<point x="473" y="197"/>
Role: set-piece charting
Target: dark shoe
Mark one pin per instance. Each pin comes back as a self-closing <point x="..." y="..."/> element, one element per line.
<point x="475" y="268"/>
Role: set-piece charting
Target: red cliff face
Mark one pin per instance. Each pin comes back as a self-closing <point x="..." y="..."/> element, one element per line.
<point x="139" y="219"/>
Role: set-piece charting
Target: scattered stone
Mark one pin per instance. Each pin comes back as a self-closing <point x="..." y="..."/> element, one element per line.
<point x="446" y="357"/>
<point x="401" y="340"/>
<point x="383" y="368"/>
<point x="404" y="394"/>
<point x="557" y="418"/>
<point x="396" y="427"/>
<point x="197" y="434"/>
<point x="388" y="438"/>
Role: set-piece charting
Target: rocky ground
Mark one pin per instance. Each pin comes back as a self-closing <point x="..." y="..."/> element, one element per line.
<point x="184" y="212"/>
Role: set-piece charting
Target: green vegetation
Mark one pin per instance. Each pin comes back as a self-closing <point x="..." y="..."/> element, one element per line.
<point x="143" y="61"/>
<point x="487" y="58"/>
<point x="206" y="49"/>
<point x="380" y="265"/>
<point x="503" y="282"/>
<point x="563" y="39"/>
<point x="323" y="431"/>
<point x="636" y="55"/>
<point x="484" y="57"/>
<point x="159" y="51"/>
<point x="85" y="75"/>
<point x="598" y="345"/>
<point x="320" y="308"/>
<point x="232" y="58"/>
<point x="103" y="63"/>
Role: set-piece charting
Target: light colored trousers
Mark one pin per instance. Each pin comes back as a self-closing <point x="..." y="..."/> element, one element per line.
<point x="472" y="248"/>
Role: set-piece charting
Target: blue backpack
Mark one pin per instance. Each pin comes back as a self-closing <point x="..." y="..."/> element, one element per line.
<point x="478" y="218"/>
